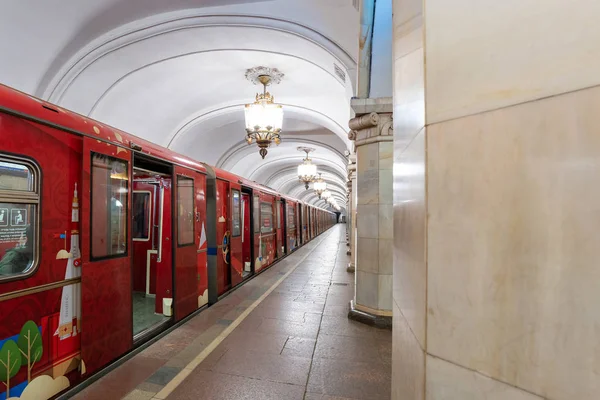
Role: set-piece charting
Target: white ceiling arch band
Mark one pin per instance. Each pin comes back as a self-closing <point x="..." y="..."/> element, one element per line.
<point x="290" y="110"/>
<point x="57" y="80"/>
<point x="242" y="149"/>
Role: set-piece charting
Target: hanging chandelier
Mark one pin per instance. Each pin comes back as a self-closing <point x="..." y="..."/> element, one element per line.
<point x="264" y="118"/>
<point x="320" y="186"/>
<point x="326" y="194"/>
<point x="307" y="171"/>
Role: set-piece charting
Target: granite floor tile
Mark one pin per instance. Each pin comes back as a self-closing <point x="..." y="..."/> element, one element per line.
<point x="354" y="348"/>
<point x="207" y="385"/>
<point x="342" y="326"/>
<point x="342" y="378"/>
<point x="272" y="367"/>
<point x="163" y="375"/>
<point x="119" y="382"/>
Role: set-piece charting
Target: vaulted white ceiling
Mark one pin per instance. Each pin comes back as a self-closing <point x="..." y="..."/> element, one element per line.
<point x="173" y="72"/>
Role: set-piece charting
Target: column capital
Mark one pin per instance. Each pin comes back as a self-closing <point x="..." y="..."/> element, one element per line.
<point x="373" y="121"/>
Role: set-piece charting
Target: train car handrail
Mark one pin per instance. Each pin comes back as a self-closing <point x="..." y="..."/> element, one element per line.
<point x="38" y="289"/>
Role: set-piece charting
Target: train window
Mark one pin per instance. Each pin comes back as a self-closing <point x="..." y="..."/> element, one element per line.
<point x="109" y="182"/>
<point x="236" y="226"/>
<point x="266" y="216"/>
<point x="141" y="216"/>
<point x="185" y="211"/>
<point x="256" y="210"/>
<point x="19" y="208"/>
<point x="15" y="176"/>
<point x="291" y="217"/>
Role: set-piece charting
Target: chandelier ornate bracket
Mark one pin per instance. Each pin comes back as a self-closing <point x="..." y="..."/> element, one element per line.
<point x="264" y="118"/>
<point x="307" y="171"/>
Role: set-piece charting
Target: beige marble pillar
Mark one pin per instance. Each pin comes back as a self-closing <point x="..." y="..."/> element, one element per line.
<point x="496" y="200"/>
<point x="372" y="133"/>
<point x="352" y="211"/>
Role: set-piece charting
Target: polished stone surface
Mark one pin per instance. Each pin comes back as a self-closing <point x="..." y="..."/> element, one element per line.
<point x="296" y="344"/>
<point x="486" y="55"/>
<point x="449" y="381"/>
<point x="513" y="244"/>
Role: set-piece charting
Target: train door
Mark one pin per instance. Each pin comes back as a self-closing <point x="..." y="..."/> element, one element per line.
<point x="310" y="236"/>
<point x="237" y="269"/>
<point x="186" y="241"/>
<point x="299" y="223"/>
<point x="105" y="254"/>
<point x="151" y="254"/>
<point x="223" y="235"/>
<point x="246" y="232"/>
<point x="280" y="250"/>
<point x="257" y="254"/>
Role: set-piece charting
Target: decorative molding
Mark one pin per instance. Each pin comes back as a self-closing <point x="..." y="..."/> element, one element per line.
<point x="364" y="121"/>
<point x="253" y="75"/>
<point x="56" y="81"/>
<point x="371" y="128"/>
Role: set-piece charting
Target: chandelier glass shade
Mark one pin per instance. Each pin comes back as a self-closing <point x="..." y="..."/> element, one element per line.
<point x="320" y="186"/>
<point x="307" y="171"/>
<point x="326" y="194"/>
<point x="264" y="118"/>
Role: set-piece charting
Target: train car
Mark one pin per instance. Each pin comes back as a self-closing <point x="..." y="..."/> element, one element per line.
<point x="107" y="239"/>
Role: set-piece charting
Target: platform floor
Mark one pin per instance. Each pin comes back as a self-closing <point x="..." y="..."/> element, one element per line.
<point x="283" y="335"/>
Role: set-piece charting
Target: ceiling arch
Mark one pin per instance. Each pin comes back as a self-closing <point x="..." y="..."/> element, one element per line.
<point x="173" y="73"/>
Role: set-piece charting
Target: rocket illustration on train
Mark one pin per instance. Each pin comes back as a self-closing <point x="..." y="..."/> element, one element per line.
<point x="70" y="304"/>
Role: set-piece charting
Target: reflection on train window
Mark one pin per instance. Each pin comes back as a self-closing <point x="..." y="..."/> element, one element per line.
<point x="236" y="227"/>
<point x="256" y="207"/>
<point x="15" y="176"/>
<point x="141" y="216"/>
<point x="291" y="218"/>
<point x="110" y="179"/>
<point x="266" y="216"/>
<point x="185" y="211"/>
<point x="18" y="217"/>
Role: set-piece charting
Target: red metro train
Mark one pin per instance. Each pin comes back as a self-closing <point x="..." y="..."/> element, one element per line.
<point x="106" y="238"/>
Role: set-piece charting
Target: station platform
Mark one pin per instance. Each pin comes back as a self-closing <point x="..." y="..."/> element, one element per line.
<point x="282" y="335"/>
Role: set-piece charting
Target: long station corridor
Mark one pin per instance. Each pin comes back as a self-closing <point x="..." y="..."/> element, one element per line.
<point x="299" y="199"/>
<point x="283" y="335"/>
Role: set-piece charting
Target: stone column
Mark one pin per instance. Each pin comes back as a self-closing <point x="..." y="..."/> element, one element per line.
<point x="352" y="211"/>
<point x="372" y="133"/>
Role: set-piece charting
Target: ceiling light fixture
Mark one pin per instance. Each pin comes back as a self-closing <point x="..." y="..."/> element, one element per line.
<point x="307" y="171"/>
<point x="320" y="186"/>
<point x="264" y="118"/>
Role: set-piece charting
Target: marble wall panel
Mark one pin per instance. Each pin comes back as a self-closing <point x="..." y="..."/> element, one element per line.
<point x="405" y="10"/>
<point x="385" y="189"/>
<point x="367" y="289"/>
<point x="410" y="268"/>
<point x="446" y="381"/>
<point x="385" y="221"/>
<point x="384" y="300"/>
<point x="386" y="153"/>
<point x="367" y="220"/>
<point x="513" y="277"/>
<point x="408" y="361"/>
<point x="409" y="98"/>
<point x="368" y="255"/>
<point x="483" y="55"/>
<point x="386" y="256"/>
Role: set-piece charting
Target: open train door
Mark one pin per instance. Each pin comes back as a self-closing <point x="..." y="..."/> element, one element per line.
<point x="106" y="324"/>
<point x="237" y="262"/>
<point x="186" y="241"/>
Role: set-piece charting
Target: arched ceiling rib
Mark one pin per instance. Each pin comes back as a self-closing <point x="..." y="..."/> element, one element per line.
<point x="173" y="73"/>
